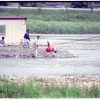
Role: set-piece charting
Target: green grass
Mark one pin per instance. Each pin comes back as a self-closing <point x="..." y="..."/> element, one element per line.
<point x="58" y="21"/>
<point x="32" y="90"/>
<point x="54" y="27"/>
<point x="53" y="15"/>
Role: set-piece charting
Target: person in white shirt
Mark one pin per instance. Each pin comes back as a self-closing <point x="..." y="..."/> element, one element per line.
<point x="2" y="42"/>
<point x="35" y="44"/>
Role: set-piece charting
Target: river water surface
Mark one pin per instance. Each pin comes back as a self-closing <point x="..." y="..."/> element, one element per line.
<point x="87" y="63"/>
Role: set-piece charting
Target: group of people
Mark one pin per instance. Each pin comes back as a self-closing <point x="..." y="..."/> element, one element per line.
<point x="27" y="42"/>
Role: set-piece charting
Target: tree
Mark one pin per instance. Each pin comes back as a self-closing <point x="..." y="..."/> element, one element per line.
<point x="85" y="5"/>
<point x="4" y="3"/>
<point x="79" y="4"/>
<point x="91" y="6"/>
<point x="67" y="4"/>
<point x="39" y="5"/>
<point x="24" y="4"/>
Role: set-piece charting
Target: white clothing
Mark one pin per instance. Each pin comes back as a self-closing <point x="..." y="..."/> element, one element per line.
<point x="26" y="42"/>
<point x="35" y="43"/>
<point x="2" y="43"/>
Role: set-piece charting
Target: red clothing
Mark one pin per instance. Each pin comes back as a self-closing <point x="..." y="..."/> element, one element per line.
<point x="49" y="49"/>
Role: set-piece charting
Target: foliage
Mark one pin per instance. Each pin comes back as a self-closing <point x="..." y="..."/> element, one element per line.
<point x="54" y="27"/>
<point x="68" y="4"/>
<point x="58" y="21"/>
<point x="33" y="90"/>
<point x="34" y="4"/>
<point x="39" y="5"/>
<point x="79" y="4"/>
<point x="2" y="3"/>
<point x="27" y="4"/>
<point x="52" y="15"/>
<point x="91" y="6"/>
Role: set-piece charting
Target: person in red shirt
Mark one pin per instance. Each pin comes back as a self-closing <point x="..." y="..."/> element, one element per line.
<point x="49" y="48"/>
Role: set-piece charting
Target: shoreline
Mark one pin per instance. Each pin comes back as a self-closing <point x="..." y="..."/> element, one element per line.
<point x="15" y="51"/>
<point x="77" y="80"/>
<point x="81" y="84"/>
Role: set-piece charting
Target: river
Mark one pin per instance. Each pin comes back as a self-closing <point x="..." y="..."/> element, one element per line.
<point x="87" y="63"/>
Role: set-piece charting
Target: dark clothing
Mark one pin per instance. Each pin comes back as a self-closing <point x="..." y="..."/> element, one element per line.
<point x="26" y="36"/>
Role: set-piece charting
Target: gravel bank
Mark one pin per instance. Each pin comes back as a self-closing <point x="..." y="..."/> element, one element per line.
<point x="78" y="80"/>
<point x="18" y="52"/>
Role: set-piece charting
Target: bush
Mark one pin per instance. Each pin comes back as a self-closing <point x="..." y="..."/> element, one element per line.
<point x="53" y="15"/>
<point x="58" y="21"/>
<point x="57" y="27"/>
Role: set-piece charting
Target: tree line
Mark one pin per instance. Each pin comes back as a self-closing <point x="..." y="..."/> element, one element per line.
<point x="79" y="4"/>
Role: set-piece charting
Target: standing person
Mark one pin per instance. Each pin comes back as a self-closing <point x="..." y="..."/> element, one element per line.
<point x="2" y="42"/>
<point x="49" y="48"/>
<point x="35" y="44"/>
<point x="27" y="40"/>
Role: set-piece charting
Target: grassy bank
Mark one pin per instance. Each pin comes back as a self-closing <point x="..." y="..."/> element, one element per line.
<point x="33" y="88"/>
<point x="52" y="15"/>
<point x="57" y="21"/>
<point x="54" y="27"/>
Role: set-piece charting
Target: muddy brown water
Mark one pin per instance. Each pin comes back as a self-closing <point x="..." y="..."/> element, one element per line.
<point x="87" y="63"/>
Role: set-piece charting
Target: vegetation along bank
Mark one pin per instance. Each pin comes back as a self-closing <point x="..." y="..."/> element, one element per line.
<point x="57" y="21"/>
<point x="52" y="22"/>
<point x="79" y="86"/>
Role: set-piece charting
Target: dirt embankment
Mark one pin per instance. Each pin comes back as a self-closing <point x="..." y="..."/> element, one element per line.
<point x="18" y="52"/>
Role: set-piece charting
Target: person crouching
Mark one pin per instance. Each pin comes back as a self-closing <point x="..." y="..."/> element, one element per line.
<point x="49" y="48"/>
<point x="2" y="42"/>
